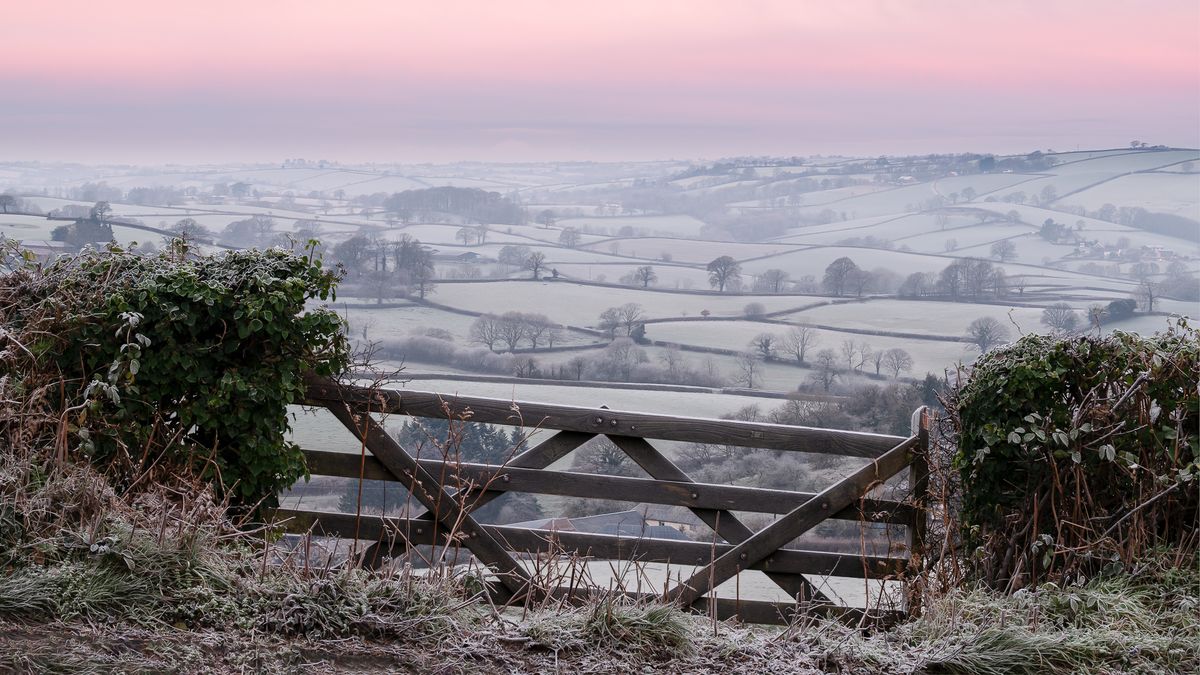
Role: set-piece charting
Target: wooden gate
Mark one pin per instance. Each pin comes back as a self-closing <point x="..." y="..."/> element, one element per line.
<point x="449" y="491"/>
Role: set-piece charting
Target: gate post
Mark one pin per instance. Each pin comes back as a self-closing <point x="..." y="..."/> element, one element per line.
<point x="918" y="480"/>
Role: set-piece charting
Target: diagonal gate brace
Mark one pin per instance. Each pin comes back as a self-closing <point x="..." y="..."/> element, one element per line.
<point x="800" y="520"/>
<point x="722" y="522"/>
<point x="435" y="497"/>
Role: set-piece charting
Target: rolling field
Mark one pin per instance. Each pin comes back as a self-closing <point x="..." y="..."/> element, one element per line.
<point x="897" y="229"/>
<point x="24" y="228"/>
<point x="1164" y="193"/>
<point x="688" y="251"/>
<point x="966" y="238"/>
<point x="580" y="305"/>
<point x="669" y="276"/>
<point x="683" y="226"/>
<point x="928" y="355"/>
<point x="916" y="316"/>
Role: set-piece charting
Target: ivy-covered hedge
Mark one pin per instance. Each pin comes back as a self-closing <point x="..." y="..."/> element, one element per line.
<point x="170" y="361"/>
<point x="1079" y="452"/>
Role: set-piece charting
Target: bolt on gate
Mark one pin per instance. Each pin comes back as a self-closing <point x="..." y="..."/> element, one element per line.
<point x="450" y="490"/>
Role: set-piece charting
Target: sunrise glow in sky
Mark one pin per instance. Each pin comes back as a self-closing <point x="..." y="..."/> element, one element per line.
<point x="147" y="80"/>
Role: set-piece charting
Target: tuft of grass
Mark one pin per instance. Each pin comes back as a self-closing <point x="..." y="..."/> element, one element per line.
<point x="1145" y="622"/>
<point x="612" y="623"/>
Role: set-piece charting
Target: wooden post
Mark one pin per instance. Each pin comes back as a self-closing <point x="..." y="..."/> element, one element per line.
<point x="918" y="480"/>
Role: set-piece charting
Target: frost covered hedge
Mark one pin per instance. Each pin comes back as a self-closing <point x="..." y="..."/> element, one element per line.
<point x="170" y="361"/>
<point x="1078" y="453"/>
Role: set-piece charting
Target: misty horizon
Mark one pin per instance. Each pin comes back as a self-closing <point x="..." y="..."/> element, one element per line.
<point x="359" y="82"/>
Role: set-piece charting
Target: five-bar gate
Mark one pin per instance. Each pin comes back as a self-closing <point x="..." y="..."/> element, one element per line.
<point x="450" y="490"/>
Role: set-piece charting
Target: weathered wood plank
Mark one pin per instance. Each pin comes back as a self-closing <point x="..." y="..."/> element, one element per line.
<point x="601" y="546"/>
<point x="322" y="392"/>
<point x="435" y="497"/>
<point x="573" y="484"/>
<point x="766" y="541"/>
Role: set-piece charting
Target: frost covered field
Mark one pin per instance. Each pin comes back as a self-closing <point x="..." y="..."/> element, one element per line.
<point x="781" y="225"/>
<point x="581" y="305"/>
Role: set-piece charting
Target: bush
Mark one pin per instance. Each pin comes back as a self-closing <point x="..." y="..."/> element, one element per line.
<point x="174" y="361"/>
<point x="1080" y="452"/>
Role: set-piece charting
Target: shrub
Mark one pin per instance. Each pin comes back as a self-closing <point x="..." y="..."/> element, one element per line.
<point x="1079" y="452"/>
<point x="172" y="360"/>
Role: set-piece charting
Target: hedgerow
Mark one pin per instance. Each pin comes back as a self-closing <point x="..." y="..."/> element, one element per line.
<point x="172" y="361"/>
<point x="1079" y="453"/>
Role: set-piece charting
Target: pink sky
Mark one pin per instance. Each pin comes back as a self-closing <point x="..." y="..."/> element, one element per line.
<point x="504" y="79"/>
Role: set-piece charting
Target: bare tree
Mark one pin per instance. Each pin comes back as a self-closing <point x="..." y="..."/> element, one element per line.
<point x="986" y="332"/>
<point x="190" y="230"/>
<point x="826" y="368"/>
<point x="645" y="275"/>
<point x="536" y="262"/>
<point x="467" y="235"/>
<point x="537" y="327"/>
<point x="577" y="365"/>
<point x="253" y="231"/>
<point x="630" y="315"/>
<point x="1146" y="294"/>
<point x="486" y="331"/>
<point x="672" y="360"/>
<point x="101" y="211"/>
<point x="856" y="354"/>
<point x="864" y="355"/>
<point x="1060" y="318"/>
<point x="878" y="358"/>
<point x="514" y="255"/>
<point x="610" y="321"/>
<point x="837" y="275"/>
<point x="748" y="369"/>
<point x="765" y="344"/>
<point x="859" y="280"/>
<point x="897" y="360"/>
<point x="525" y="367"/>
<point x="772" y="281"/>
<point x="382" y="285"/>
<point x="798" y="340"/>
<point x="721" y="271"/>
<point x="569" y="237"/>
<point x="7" y="202"/>
<point x="421" y="274"/>
<point x="918" y="285"/>
<point x="1004" y="250"/>
<point x="1143" y="270"/>
<point x="512" y="329"/>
